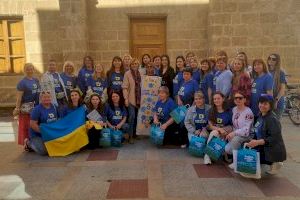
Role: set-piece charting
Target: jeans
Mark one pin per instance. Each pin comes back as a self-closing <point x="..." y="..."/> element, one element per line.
<point x="235" y="143"/>
<point x="132" y="119"/>
<point x="37" y="144"/>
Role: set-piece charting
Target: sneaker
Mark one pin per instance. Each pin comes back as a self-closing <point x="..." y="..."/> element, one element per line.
<point x="27" y="147"/>
<point x="207" y="160"/>
<point x="245" y="175"/>
<point x="231" y="166"/>
<point x="131" y="141"/>
<point x="183" y="146"/>
<point x="274" y="168"/>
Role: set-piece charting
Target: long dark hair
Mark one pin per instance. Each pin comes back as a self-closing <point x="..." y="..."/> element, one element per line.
<point x="80" y="101"/>
<point x="100" y="107"/>
<point x="112" y="68"/>
<point x="143" y="64"/>
<point x="212" y="116"/>
<point x="277" y="70"/>
<point x="89" y="57"/>
<point x="168" y="58"/>
<point x="202" y="74"/>
<point x="180" y="57"/>
<point x="121" y="101"/>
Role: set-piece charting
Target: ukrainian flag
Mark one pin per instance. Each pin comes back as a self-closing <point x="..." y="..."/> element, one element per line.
<point x="66" y="135"/>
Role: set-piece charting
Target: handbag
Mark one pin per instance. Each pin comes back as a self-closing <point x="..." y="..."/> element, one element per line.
<point x="105" y="139"/>
<point x="197" y="146"/>
<point x="247" y="161"/>
<point x="157" y="135"/>
<point x="178" y="114"/>
<point x="26" y="108"/>
<point x="215" y="148"/>
<point x="116" y="137"/>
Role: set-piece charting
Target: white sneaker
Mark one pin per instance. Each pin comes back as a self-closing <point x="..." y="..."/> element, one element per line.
<point x="254" y="176"/>
<point x="231" y="166"/>
<point x="207" y="160"/>
<point x="274" y="168"/>
<point x="183" y="146"/>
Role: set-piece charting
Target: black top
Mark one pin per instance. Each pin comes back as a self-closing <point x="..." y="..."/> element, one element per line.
<point x="167" y="79"/>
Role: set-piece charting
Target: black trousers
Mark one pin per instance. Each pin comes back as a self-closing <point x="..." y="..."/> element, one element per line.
<point x="94" y="136"/>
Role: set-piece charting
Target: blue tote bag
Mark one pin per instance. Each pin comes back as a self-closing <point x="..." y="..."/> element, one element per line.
<point x="105" y="139"/>
<point x="116" y="137"/>
<point x="178" y="114"/>
<point x="156" y="135"/>
<point x="215" y="148"/>
<point x="197" y="146"/>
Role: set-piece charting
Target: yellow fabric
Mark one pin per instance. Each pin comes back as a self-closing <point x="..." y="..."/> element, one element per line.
<point x="68" y="144"/>
<point x="91" y="124"/>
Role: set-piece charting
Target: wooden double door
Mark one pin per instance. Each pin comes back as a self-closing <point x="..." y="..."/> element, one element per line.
<point x="147" y="36"/>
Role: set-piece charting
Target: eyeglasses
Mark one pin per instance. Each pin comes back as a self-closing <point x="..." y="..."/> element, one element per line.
<point x="239" y="98"/>
<point x="273" y="59"/>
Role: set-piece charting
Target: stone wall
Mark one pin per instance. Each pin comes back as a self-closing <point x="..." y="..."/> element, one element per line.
<point x="258" y="27"/>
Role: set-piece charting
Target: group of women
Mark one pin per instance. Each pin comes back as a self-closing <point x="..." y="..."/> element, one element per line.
<point x="233" y="101"/>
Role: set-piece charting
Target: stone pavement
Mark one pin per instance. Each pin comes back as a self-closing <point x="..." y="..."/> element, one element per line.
<point x="139" y="171"/>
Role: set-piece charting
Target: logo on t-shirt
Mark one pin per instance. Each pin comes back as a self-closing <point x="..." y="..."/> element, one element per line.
<point x="181" y="91"/>
<point x="219" y="120"/>
<point x="98" y="84"/>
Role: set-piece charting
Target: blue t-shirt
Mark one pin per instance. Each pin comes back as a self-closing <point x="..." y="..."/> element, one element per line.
<point x="280" y="104"/>
<point x="97" y="86"/>
<point x="187" y="91"/>
<point x="43" y="115"/>
<point x="163" y="109"/>
<point x="258" y="128"/>
<point x="115" y="116"/>
<point x="83" y="75"/>
<point x="260" y="86"/>
<point x="115" y="81"/>
<point x="156" y="71"/>
<point x="66" y="110"/>
<point x="196" y="75"/>
<point x="31" y="89"/>
<point x="201" y="119"/>
<point x="57" y="85"/>
<point x="69" y="81"/>
<point x="224" y="118"/>
<point x="177" y="82"/>
<point x="205" y="83"/>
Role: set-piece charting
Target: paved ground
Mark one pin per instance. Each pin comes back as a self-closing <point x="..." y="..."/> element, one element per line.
<point x="139" y="171"/>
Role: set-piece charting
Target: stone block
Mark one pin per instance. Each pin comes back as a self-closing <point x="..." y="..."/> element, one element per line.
<point x="178" y="44"/>
<point x="288" y="40"/>
<point x="118" y="45"/>
<point x="245" y="6"/>
<point x="250" y="18"/>
<point x="108" y="55"/>
<point x="239" y="41"/>
<point x="123" y="35"/>
<point x="227" y="30"/>
<point x="229" y="6"/>
<point x="268" y="18"/>
<point x="222" y="18"/>
<point x="241" y="30"/>
<point x="215" y="30"/>
<point x="95" y="45"/>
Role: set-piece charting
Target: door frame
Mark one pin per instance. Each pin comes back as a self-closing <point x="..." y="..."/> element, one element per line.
<point x="135" y="16"/>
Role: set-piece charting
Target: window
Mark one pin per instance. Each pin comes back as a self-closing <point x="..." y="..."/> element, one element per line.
<point x="12" y="48"/>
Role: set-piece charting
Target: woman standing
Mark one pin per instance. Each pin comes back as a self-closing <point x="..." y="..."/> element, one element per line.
<point x="241" y="81"/>
<point x="97" y="83"/>
<point x="27" y="97"/>
<point x="279" y="80"/>
<point x="164" y="106"/>
<point x="74" y="103"/>
<point x="196" y="70"/>
<point x="115" y="75"/>
<point x="268" y="138"/>
<point x="68" y="76"/>
<point x="167" y="73"/>
<point x="178" y="80"/>
<point x="132" y="95"/>
<point x="157" y="64"/>
<point x="146" y="61"/>
<point x="126" y="62"/>
<point x="86" y="71"/>
<point x="206" y="80"/>
<point x="219" y="120"/>
<point x="262" y="84"/>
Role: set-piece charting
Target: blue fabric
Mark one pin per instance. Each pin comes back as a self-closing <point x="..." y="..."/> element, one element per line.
<point x="30" y="89"/>
<point x="156" y="135"/>
<point x="205" y="83"/>
<point x="224" y="118"/>
<point x="260" y="86"/>
<point x="98" y="86"/>
<point x="116" y="138"/>
<point x="247" y="161"/>
<point x="105" y="139"/>
<point x="177" y="82"/>
<point x="178" y="114"/>
<point x="69" y="81"/>
<point x="115" y="81"/>
<point x="156" y="71"/>
<point x="115" y="116"/>
<point x="187" y="91"/>
<point x="258" y="127"/>
<point x="197" y="146"/>
<point x="43" y="115"/>
<point x="197" y="75"/>
<point x="201" y="119"/>
<point x="83" y="75"/>
<point x="57" y="85"/>
<point x="215" y="148"/>
<point x="280" y="104"/>
<point x="163" y="109"/>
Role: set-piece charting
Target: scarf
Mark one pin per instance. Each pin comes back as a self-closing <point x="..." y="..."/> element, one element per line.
<point x="137" y="80"/>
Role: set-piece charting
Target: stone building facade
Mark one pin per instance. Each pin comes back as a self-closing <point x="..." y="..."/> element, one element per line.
<point x="70" y="29"/>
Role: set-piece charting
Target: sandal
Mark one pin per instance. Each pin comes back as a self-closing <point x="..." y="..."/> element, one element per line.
<point x="27" y="148"/>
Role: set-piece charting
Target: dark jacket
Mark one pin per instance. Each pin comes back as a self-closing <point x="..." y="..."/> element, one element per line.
<point x="274" y="147"/>
<point x="167" y="79"/>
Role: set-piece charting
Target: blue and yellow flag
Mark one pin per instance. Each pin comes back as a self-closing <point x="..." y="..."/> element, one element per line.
<point x="66" y="135"/>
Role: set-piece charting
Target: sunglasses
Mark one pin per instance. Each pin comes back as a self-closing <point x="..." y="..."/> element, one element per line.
<point x="239" y="98"/>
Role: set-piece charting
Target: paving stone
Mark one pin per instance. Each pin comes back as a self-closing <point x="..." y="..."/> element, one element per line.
<point x="128" y="189"/>
<point x="104" y="154"/>
<point x="212" y="171"/>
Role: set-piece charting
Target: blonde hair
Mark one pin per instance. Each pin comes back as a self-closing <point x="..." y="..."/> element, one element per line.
<point x="102" y="75"/>
<point x="127" y="55"/>
<point x="134" y="60"/>
<point x="69" y="63"/>
<point x="27" y="65"/>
